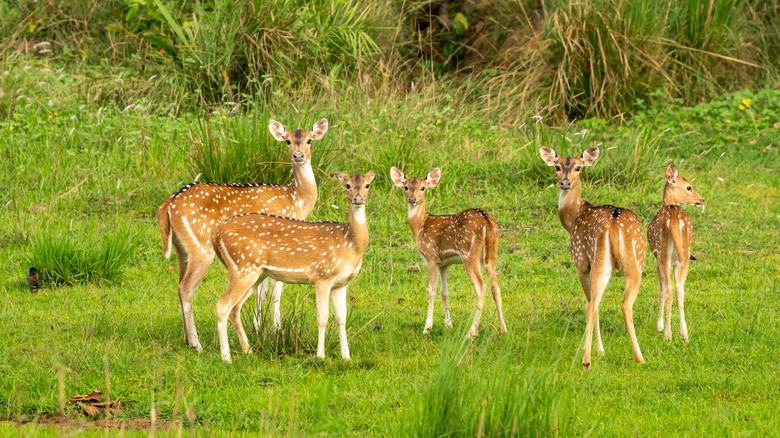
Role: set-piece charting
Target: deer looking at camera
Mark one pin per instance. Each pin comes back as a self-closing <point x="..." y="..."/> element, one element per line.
<point x="670" y="235"/>
<point x="469" y="238"/>
<point x="327" y="255"/>
<point x="603" y="238"/>
<point x="188" y="217"/>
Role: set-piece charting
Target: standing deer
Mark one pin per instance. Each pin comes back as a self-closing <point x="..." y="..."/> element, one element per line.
<point x="670" y="235"/>
<point x="469" y="238"/>
<point x="603" y="238"/>
<point x="327" y="255"/>
<point x="188" y="217"/>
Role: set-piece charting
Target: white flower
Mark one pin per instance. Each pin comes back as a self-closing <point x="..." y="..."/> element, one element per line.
<point x="41" y="83"/>
<point x="45" y="70"/>
<point x="44" y="51"/>
<point x="21" y="96"/>
<point x="26" y="68"/>
<point x="82" y="107"/>
<point x="61" y="76"/>
<point x="41" y="45"/>
<point x="128" y="107"/>
<point x="6" y="73"/>
<point x="73" y="118"/>
<point x="51" y="103"/>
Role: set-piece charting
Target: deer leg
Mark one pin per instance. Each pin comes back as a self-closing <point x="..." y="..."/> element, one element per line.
<point x="585" y="282"/>
<point x="433" y="280"/>
<point x="339" y="297"/>
<point x="321" y="291"/>
<point x="599" y="277"/>
<point x="444" y="273"/>
<point x="237" y="288"/>
<point x="680" y="274"/>
<point x="262" y="292"/>
<point x="491" y="270"/>
<point x="472" y="269"/>
<point x="181" y="259"/>
<point x="669" y="298"/>
<point x="663" y="290"/>
<point x="196" y="269"/>
<point x="238" y="326"/>
<point x="633" y="280"/>
<point x="276" y="297"/>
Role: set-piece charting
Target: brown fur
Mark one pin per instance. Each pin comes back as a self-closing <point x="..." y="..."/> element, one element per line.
<point x="188" y="217"/>
<point x="469" y="237"/>
<point x="670" y="235"/>
<point x="327" y="255"/>
<point x="596" y="247"/>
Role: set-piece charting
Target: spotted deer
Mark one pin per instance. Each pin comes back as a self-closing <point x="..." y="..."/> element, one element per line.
<point x="469" y="238"/>
<point x="327" y="255"/>
<point x="670" y="235"/>
<point x="603" y="238"/>
<point x="188" y="217"/>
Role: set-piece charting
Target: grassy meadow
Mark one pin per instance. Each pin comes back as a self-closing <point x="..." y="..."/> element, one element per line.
<point x="95" y="136"/>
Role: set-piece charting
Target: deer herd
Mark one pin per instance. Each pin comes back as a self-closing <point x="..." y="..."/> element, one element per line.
<point x="260" y="232"/>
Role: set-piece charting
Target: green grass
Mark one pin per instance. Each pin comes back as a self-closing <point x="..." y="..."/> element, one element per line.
<point x="109" y="169"/>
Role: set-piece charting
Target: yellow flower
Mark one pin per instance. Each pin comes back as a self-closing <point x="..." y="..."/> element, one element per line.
<point x="438" y="121"/>
<point x="490" y="138"/>
<point x="11" y="128"/>
<point x="402" y="136"/>
<point x="50" y="116"/>
<point x="224" y="116"/>
<point x="741" y="107"/>
<point x="728" y="121"/>
<point x="746" y="102"/>
<point x="165" y="138"/>
<point x="55" y="113"/>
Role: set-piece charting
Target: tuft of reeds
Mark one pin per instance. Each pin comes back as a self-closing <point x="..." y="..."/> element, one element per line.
<point x="64" y="258"/>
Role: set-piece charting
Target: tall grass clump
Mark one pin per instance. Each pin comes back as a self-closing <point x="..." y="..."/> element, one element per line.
<point x="65" y="258"/>
<point x="488" y="394"/>
<point x="242" y="150"/>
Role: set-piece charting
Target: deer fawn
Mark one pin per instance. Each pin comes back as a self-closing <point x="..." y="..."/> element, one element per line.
<point x="602" y="238"/>
<point x="469" y="237"/>
<point x="670" y="235"/>
<point x="188" y="217"/>
<point x="327" y="255"/>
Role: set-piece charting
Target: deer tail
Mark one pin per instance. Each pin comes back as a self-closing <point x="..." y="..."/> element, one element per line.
<point x="614" y="243"/>
<point x="164" y="219"/>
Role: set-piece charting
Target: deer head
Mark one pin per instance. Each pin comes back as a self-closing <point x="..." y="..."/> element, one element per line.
<point x="299" y="141"/>
<point x="677" y="190"/>
<point x="414" y="188"/>
<point x="356" y="185"/>
<point x="567" y="169"/>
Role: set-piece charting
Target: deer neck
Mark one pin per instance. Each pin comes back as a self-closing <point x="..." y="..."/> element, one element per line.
<point x="304" y="186"/>
<point x="570" y="206"/>
<point x="669" y="198"/>
<point x="357" y="228"/>
<point x="417" y="217"/>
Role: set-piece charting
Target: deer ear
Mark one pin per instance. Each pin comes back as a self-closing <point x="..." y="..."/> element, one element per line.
<point x="548" y="155"/>
<point x="319" y="129"/>
<point x="589" y="156"/>
<point x="433" y="178"/>
<point x="671" y="173"/>
<point x="340" y="175"/>
<point x="398" y="177"/>
<point x="369" y="176"/>
<point x="277" y="130"/>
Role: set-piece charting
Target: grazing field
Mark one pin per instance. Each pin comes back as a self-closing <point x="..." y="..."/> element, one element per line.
<point x="82" y="182"/>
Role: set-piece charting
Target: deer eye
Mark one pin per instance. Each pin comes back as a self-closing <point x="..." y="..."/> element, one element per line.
<point x="577" y="168"/>
<point x="367" y="185"/>
<point x="422" y="189"/>
<point x="288" y="142"/>
<point x="689" y="188"/>
<point x="308" y="141"/>
<point x="558" y="168"/>
<point x="348" y="186"/>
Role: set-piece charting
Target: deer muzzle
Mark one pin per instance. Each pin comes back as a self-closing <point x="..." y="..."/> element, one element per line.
<point x="565" y="184"/>
<point x="299" y="157"/>
<point x="358" y="200"/>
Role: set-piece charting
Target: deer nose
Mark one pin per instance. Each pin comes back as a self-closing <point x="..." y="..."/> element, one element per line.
<point x="412" y="200"/>
<point x="565" y="184"/>
<point x="358" y="200"/>
<point x="298" y="156"/>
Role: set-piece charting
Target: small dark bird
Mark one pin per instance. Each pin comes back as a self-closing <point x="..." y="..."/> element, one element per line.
<point x="32" y="280"/>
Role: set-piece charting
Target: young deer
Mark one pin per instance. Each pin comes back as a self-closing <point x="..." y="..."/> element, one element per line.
<point x="469" y="238"/>
<point x="327" y="255"/>
<point x="188" y="217"/>
<point x="670" y="235"/>
<point x="603" y="238"/>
